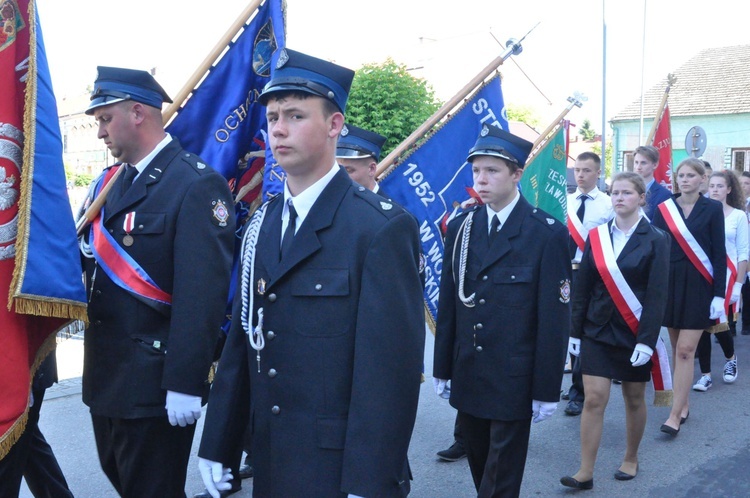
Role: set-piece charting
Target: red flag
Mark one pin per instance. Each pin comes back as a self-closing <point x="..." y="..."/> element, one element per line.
<point x="663" y="142"/>
<point x="29" y="170"/>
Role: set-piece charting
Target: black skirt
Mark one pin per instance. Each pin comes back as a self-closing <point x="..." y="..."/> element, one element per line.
<point x="612" y="362"/>
<point x="688" y="298"/>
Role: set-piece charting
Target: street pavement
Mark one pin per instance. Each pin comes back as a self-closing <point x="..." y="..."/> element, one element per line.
<point x="710" y="457"/>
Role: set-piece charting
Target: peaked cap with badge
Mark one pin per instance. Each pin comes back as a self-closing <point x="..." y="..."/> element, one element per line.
<point x="358" y="143"/>
<point x="116" y="84"/>
<point x="299" y="72"/>
<point x="496" y="142"/>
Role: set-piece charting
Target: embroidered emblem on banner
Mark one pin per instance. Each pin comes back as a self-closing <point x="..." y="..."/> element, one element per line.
<point x="565" y="291"/>
<point x="221" y="214"/>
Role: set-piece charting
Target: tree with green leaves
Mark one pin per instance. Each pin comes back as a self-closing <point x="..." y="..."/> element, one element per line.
<point x="386" y="99"/>
<point x="523" y="114"/>
<point x="587" y="131"/>
<point x="607" y="159"/>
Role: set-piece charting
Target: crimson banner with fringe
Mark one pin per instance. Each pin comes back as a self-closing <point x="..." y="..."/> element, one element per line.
<point x="40" y="269"/>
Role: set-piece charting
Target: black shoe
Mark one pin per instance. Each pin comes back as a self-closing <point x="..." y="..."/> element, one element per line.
<point x="669" y="430"/>
<point x="616" y="381"/>
<point x="745" y="331"/>
<point x="576" y="484"/>
<point x="624" y="476"/>
<point x="565" y="395"/>
<point x="246" y="471"/>
<point x="684" y="419"/>
<point x="454" y="453"/>
<point x="574" y="408"/>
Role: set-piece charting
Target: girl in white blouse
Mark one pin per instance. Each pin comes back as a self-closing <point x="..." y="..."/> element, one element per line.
<point x="725" y="187"/>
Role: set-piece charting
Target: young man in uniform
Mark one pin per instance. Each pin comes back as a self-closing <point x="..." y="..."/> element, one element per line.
<point x="325" y="354"/>
<point x="591" y="207"/>
<point x="503" y="294"/>
<point x="645" y="161"/>
<point x="158" y="281"/>
<point x="358" y="151"/>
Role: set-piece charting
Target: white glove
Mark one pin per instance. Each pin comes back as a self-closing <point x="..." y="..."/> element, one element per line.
<point x="31" y="399"/>
<point x="183" y="409"/>
<point x="736" y="291"/>
<point x="354" y="496"/>
<point x="441" y="388"/>
<point x="215" y="477"/>
<point x="717" y="308"/>
<point x="574" y="346"/>
<point x="641" y="355"/>
<point x="542" y="410"/>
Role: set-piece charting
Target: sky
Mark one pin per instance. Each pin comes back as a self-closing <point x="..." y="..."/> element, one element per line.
<point x="447" y="43"/>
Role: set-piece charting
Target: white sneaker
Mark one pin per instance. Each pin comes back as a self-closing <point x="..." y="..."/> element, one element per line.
<point x="730" y="370"/>
<point x="703" y="384"/>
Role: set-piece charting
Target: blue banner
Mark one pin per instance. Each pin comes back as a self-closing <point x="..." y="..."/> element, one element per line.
<point x="222" y="121"/>
<point x="432" y="181"/>
<point x="47" y="277"/>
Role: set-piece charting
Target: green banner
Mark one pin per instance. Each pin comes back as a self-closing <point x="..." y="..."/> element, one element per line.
<point x="544" y="180"/>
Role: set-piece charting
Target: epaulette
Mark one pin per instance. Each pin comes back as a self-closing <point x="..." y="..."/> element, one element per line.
<point x="196" y="162"/>
<point x="386" y="207"/>
<point x="545" y="219"/>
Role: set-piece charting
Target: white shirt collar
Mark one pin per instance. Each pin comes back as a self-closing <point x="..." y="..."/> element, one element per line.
<point x="503" y="214"/>
<point x="141" y="165"/>
<point x="304" y="201"/>
<point x="593" y="193"/>
<point x="614" y="226"/>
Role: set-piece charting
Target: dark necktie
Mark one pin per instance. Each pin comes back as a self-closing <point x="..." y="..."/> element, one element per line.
<point x="286" y="241"/>
<point x="128" y="176"/>
<point x="494" y="229"/>
<point x="581" y="211"/>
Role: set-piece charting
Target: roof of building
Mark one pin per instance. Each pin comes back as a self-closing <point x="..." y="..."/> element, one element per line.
<point x="715" y="81"/>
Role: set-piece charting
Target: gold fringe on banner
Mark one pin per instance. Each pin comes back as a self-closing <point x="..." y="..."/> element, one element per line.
<point x="663" y="398"/>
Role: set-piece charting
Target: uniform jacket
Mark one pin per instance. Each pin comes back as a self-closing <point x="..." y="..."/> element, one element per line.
<point x="706" y="223"/>
<point x="333" y="405"/>
<point x="509" y="349"/>
<point x="133" y="352"/>
<point x="656" y="194"/>
<point x="644" y="263"/>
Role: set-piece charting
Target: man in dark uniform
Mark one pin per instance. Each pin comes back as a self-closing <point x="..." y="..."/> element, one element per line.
<point x="358" y="151"/>
<point x="325" y="355"/>
<point x="503" y="296"/>
<point x="162" y="254"/>
<point x="645" y="161"/>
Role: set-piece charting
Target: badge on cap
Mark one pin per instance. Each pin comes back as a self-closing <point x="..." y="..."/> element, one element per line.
<point x="387" y="206"/>
<point x="565" y="291"/>
<point x="344" y="131"/>
<point x="550" y="221"/>
<point x="283" y="59"/>
<point x="221" y="214"/>
<point x="485" y="131"/>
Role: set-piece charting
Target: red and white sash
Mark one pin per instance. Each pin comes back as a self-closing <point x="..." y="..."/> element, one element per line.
<point x="731" y="280"/>
<point x="627" y="302"/>
<point x="685" y="239"/>
<point x="579" y="234"/>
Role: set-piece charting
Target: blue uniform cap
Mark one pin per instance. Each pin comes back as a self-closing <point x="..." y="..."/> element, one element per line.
<point x="494" y="141"/>
<point x="115" y="84"/>
<point x="357" y="143"/>
<point x="296" y="71"/>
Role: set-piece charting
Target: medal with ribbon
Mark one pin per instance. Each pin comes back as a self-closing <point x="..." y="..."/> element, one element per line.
<point x="128" y="225"/>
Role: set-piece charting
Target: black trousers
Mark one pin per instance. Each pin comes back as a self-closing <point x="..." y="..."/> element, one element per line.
<point x="496" y="451"/>
<point x="144" y="457"/>
<point x="746" y="305"/>
<point x="32" y="458"/>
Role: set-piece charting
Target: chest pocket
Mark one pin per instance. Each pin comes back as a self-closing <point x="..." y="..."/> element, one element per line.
<point x="514" y="285"/>
<point x="149" y="223"/>
<point x="148" y="245"/>
<point x="322" y="297"/>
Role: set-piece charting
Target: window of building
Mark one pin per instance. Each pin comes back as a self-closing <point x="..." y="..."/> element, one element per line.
<point x="741" y="159"/>
<point x="627" y="160"/>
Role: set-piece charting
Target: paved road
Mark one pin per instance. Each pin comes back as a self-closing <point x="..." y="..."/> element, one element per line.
<point x="710" y="457"/>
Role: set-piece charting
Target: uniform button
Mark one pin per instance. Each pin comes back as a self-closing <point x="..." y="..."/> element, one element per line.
<point x="140" y="227"/>
<point x="275" y="410"/>
<point x="512" y="277"/>
<point x="482" y="301"/>
<point x="478" y="326"/>
<point x="479" y="349"/>
<point x="272" y="373"/>
<point x="98" y="322"/>
<point x="270" y="335"/>
<point x="97" y="292"/>
<point x="318" y="287"/>
<point x="484" y="278"/>
<point x="111" y="230"/>
<point x="272" y="298"/>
